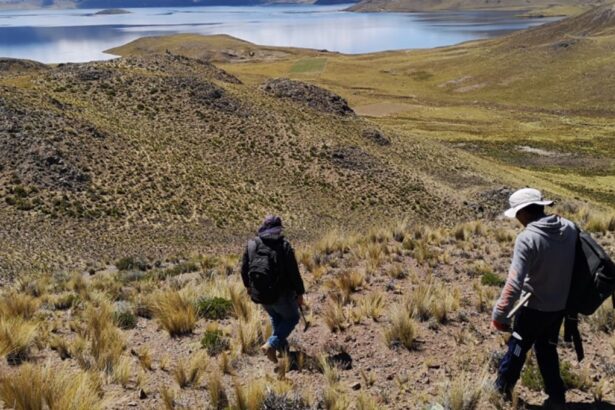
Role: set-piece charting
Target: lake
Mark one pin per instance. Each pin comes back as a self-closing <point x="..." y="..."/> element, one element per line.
<point x="54" y="36"/>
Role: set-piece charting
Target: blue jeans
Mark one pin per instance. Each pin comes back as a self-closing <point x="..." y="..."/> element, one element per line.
<point x="540" y="330"/>
<point x="284" y="315"/>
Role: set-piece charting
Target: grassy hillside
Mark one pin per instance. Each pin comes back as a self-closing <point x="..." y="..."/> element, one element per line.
<point x="533" y="8"/>
<point x="533" y="107"/>
<point x="128" y="187"/>
<point x="162" y="156"/>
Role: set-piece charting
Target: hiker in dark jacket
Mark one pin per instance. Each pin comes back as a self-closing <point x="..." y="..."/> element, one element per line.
<point x="283" y="310"/>
<point x="542" y="266"/>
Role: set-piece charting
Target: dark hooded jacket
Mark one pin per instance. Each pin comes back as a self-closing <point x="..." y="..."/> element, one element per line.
<point x="290" y="279"/>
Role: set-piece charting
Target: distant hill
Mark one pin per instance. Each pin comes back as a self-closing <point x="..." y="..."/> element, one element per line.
<point x="116" y="4"/>
<point x="537" y="7"/>
<point x="215" y="48"/>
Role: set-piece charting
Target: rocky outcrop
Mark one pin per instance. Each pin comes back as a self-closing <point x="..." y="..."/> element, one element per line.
<point x="310" y="95"/>
<point x="376" y="136"/>
<point x="9" y="65"/>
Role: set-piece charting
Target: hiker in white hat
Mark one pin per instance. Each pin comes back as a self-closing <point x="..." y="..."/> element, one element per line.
<point x="540" y="272"/>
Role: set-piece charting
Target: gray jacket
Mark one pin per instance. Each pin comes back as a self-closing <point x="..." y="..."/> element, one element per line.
<point x="542" y="264"/>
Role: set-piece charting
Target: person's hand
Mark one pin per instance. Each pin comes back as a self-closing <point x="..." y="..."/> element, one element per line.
<point x="300" y="300"/>
<point x="501" y="327"/>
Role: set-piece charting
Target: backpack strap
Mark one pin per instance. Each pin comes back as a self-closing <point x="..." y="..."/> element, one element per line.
<point x="572" y="334"/>
<point x="252" y="245"/>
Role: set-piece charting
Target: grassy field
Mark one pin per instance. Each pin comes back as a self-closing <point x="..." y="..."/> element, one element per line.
<point x="309" y="65"/>
<point x="399" y="319"/>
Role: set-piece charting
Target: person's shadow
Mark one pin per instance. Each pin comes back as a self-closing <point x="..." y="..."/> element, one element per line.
<point x="579" y="406"/>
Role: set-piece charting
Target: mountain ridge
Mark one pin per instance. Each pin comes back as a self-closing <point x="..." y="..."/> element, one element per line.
<point x="117" y="4"/>
<point x="535" y="8"/>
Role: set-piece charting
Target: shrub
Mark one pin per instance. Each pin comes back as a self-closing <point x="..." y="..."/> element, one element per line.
<point x="575" y="380"/>
<point x="145" y="357"/>
<point x="432" y="300"/>
<point x="127" y="276"/>
<point x="600" y="223"/>
<point x="33" y="387"/>
<point x="603" y="319"/>
<point x="143" y="308"/>
<point x="17" y="336"/>
<point x="366" y="402"/>
<point x="180" y="268"/>
<point x="504" y="235"/>
<point x="214" y="341"/>
<point x="462" y="393"/>
<point x="122" y="371"/>
<point x="492" y="279"/>
<point x="131" y="263"/>
<point x="250" y="335"/>
<point x="60" y="345"/>
<point x="349" y="282"/>
<point x="283" y="401"/>
<point x="189" y="374"/>
<point x="125" y="319"/>
<point x="65" y="301"/>
<point x="372" y="305"/>
<point x="397" y="271"/>
<point x="174" y="313"/>
<point x="217" y="394"/>
<point x="250" y="397"/>
<point x="402" y="329"/>
<point x="18" y="304"/>
<point x="106" y="342"/>
<point x="215" y="308"/>
<point x="334" y="315"/>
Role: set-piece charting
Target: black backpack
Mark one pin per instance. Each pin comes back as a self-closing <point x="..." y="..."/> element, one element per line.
<point x="263" y="272"/>
<point x="593" y="281"/>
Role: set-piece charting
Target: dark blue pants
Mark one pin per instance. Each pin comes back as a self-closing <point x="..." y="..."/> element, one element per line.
<point x="284" y="315"/>
<point x="541" y="330"/>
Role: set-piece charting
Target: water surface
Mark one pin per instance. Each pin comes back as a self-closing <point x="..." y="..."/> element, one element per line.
<point x="54" y="36"/>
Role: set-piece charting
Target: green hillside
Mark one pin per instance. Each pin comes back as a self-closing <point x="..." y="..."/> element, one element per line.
<point x="165" y="155"/>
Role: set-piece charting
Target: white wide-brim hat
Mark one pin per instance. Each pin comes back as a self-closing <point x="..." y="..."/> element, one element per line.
<point x="525" y="197"/>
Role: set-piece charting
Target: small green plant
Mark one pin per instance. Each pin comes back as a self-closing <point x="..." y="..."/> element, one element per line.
<point x="215" y="308"/>
<point x="214" y="341"/>
<point x="575" y="380"/>
<point x="530" y="377"/>
<point x="492" y="279"/>
<point x="125" y="320"/>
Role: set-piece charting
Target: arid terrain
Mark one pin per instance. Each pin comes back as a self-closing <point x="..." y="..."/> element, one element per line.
<point x="399" y="318"/>
<point x="128" y="188"/>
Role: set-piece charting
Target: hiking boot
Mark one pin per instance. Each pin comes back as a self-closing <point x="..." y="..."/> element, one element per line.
<point x="270" y="352"/>
<point x="553" y="405"/>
